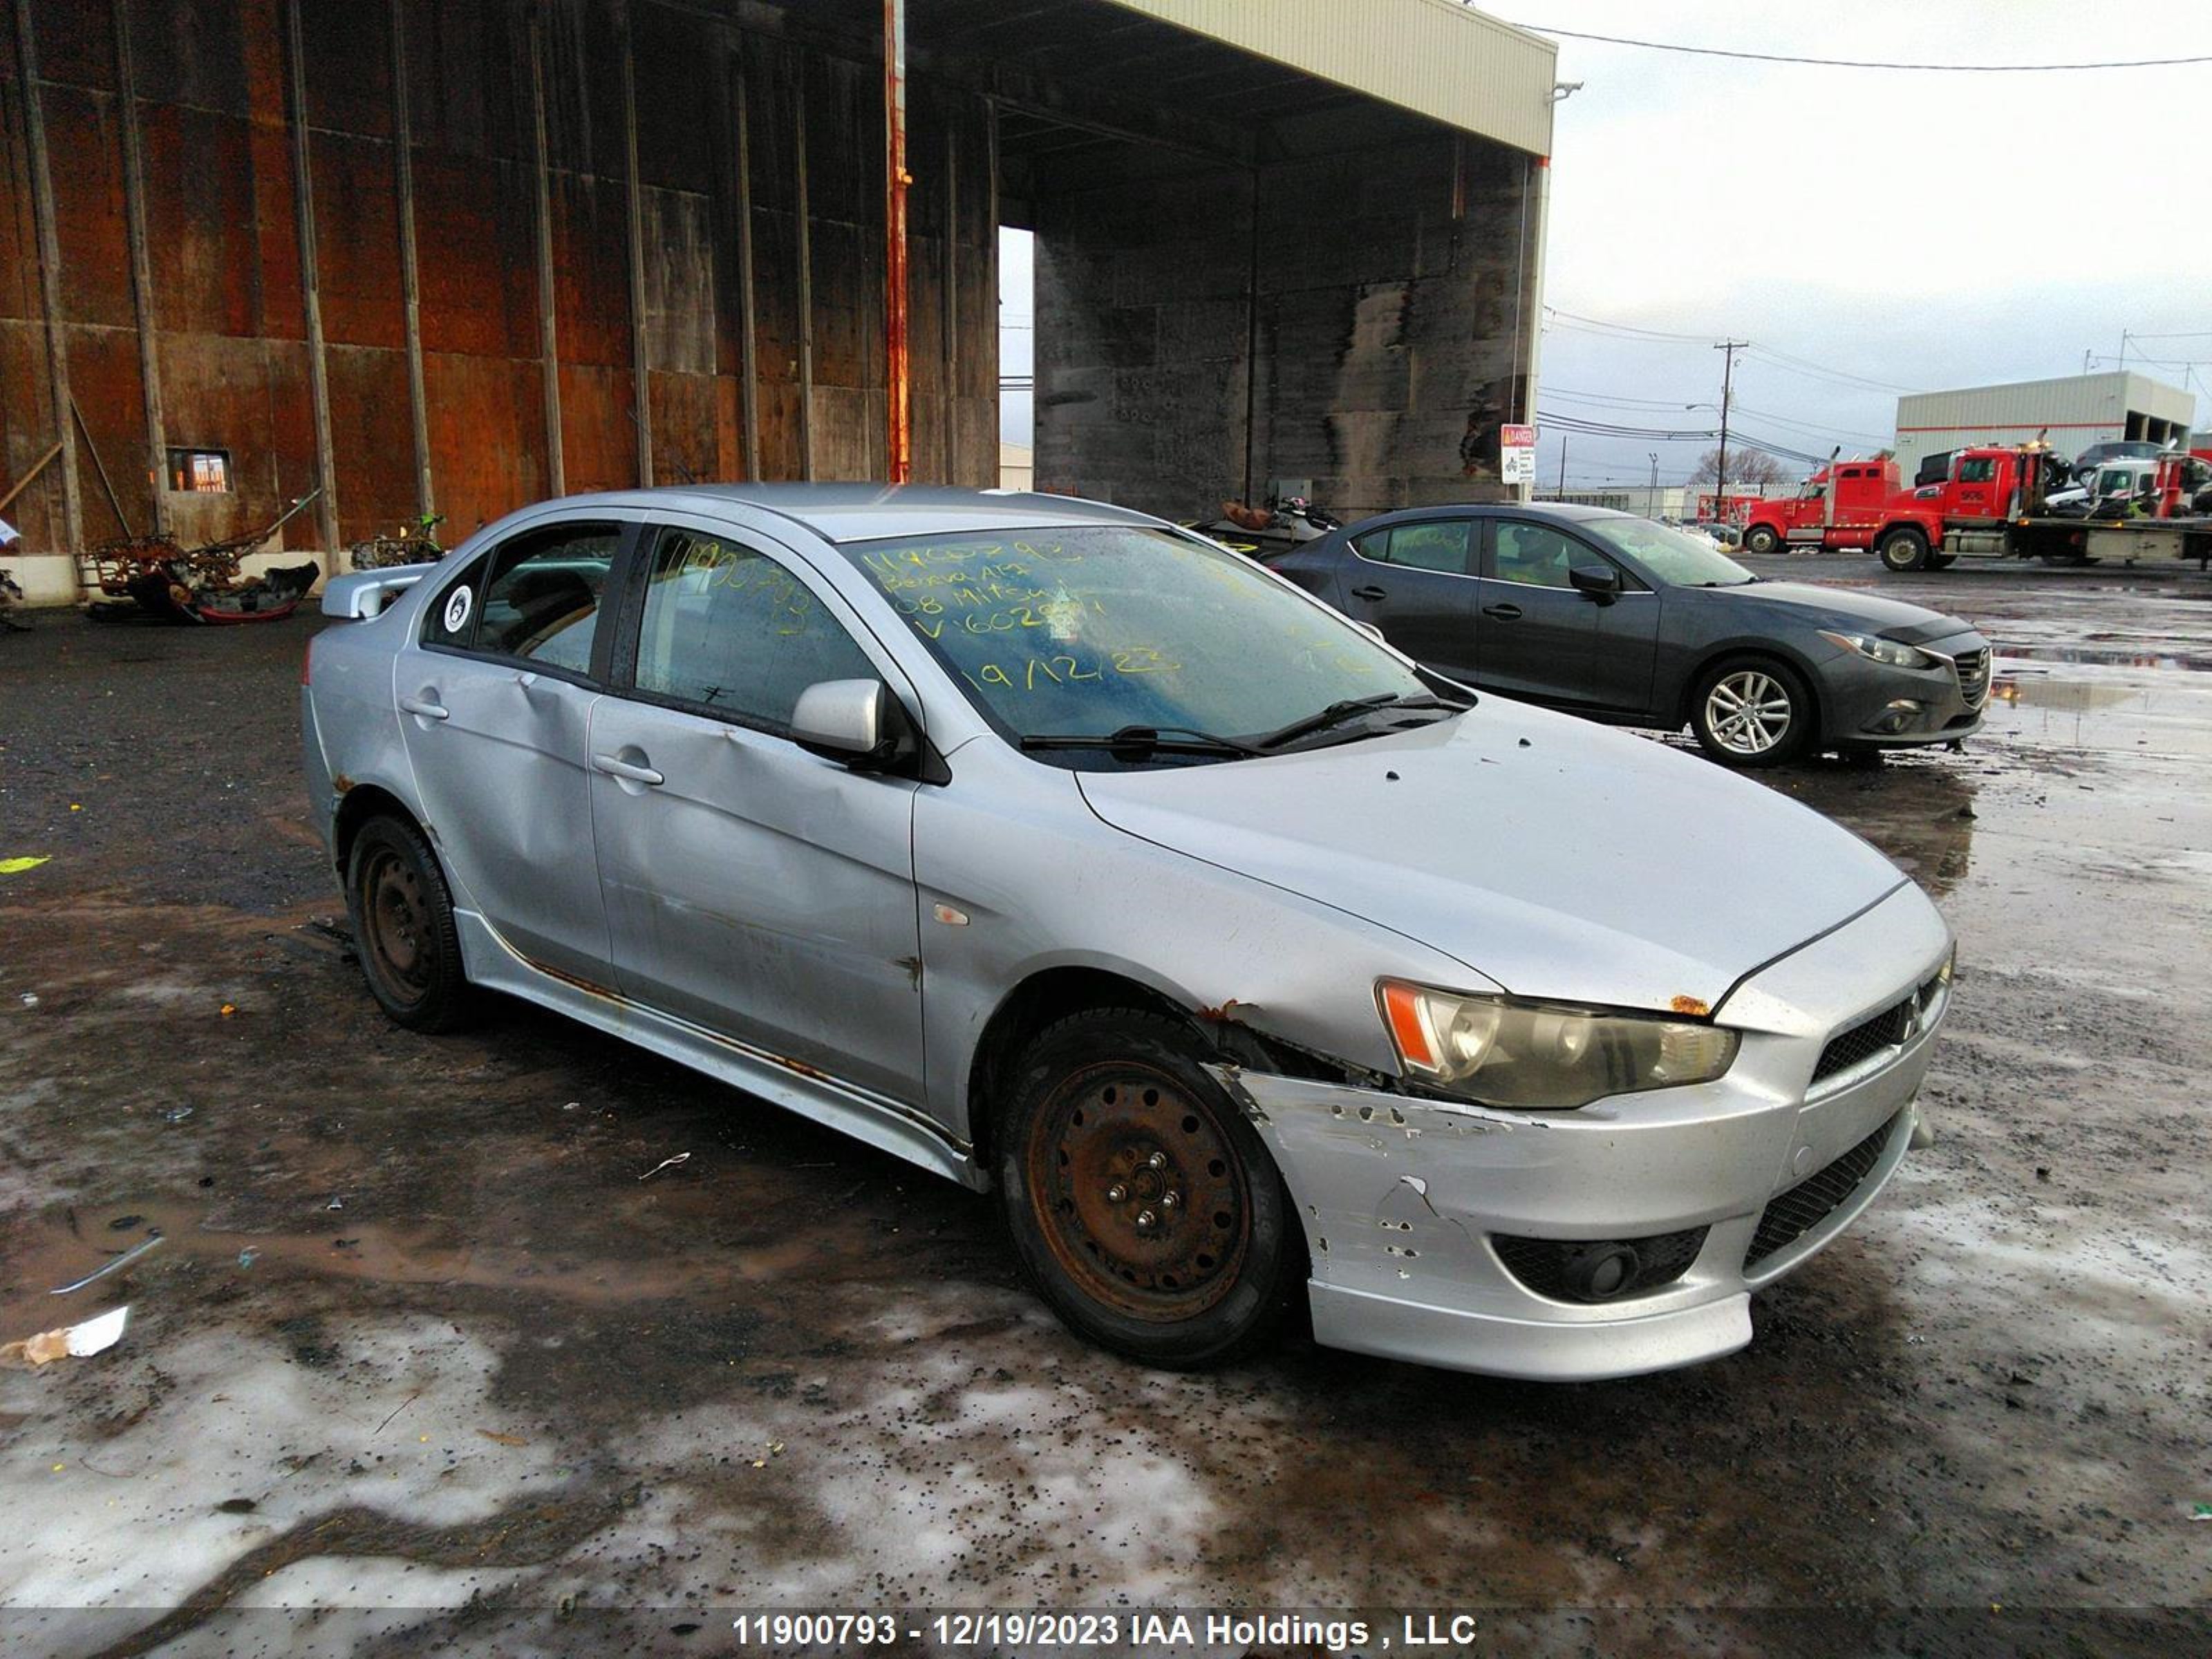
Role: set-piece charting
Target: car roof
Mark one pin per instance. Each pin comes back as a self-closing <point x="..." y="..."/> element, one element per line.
<point x="1562" y="512"/>
<point x="864" y="512"/>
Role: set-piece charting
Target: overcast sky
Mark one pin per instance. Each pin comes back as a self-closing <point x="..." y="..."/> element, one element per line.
<point x="1914" y="230"/>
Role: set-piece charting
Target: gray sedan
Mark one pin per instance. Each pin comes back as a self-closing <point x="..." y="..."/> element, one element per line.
<point x="1623" y="620"/>
<point x="1056" y="850"/>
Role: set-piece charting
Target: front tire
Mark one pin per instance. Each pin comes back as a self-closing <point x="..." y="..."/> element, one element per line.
<point x="1753" y="713"/>
<point x="1142" y="1206"/>
<point x="1761" y="538"/>
<point x="403" y="930"/>
<point x="1903" y="550"/>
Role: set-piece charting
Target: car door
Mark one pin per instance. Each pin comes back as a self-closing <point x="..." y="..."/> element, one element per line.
<point x="1415" y="582"/>
<point x="495" y="697"/>
<point x="752" y="887"/>
<point x="1535" y="633"/>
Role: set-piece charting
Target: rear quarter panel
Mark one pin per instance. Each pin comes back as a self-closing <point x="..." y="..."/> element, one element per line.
<point x="350" y="725"/>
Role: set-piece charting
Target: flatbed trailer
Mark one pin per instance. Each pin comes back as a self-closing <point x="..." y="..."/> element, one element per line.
<point x="2086" y="541"/>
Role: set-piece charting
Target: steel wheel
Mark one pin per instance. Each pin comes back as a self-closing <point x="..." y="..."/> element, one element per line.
<point x="1748" y="712"/>
<point x="1139" y="1203"/>
<point x="1139" y="1194"/>
<point x="404" y="926"/>
<point x="396" y="920"/>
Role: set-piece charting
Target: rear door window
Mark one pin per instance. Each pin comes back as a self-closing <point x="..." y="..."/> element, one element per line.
<point x="535" y="598"/>
<point x="1438" y="544"/>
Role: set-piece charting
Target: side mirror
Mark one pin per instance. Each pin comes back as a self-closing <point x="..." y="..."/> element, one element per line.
<point x="859" y="722"/>
<point x="1600" y="582"/>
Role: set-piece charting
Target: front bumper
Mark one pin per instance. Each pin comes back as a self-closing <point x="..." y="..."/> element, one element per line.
<point x="1871" y="704"/>
<point x="1404" y="1199"/>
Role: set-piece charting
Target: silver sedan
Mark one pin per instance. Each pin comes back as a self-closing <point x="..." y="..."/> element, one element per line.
<point x="1055" y="850"/>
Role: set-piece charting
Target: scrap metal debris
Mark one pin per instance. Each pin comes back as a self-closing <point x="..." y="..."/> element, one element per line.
<point x="123" y="1261"/>
<point x="67" y="1342"/>
<point x="203" y="584"/>
<point x="665" y="1163"/>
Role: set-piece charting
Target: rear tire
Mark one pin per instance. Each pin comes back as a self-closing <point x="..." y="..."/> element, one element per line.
<point x="1903" y="550"/>
<point x="403" y="930"/>
<point x="1761" y="538"/>
<point x="1752" y="712"/>
<point x="1142" y="1206"/>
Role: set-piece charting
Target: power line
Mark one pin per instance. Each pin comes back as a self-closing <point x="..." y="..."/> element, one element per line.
<point x="1871" y="63"/>
<point x="1841" y="377"/>
<point x="1601" y="324"/>
<point x="1575" y="322"/>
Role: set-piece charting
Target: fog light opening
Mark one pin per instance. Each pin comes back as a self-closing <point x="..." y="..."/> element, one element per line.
<point x="1897" y="715"/>
<point x="1598" y="1273"/>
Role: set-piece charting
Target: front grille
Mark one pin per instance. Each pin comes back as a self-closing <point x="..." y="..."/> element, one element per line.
<point x="1889" y="1029"/>
<point x="1973" y="667"/>
<point x="1544" y="1265"/>
<point x="1789" y="1216"/>
<point x="1886" y="1029"/>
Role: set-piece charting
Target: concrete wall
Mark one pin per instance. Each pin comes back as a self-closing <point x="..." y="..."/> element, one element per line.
<point x="158" y="173"/>
<point x="1388" y="336"/>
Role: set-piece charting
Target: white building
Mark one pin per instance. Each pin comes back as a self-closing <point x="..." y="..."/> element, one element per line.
<point x="2074" y="411"/>
<point x="1646" y="501"/>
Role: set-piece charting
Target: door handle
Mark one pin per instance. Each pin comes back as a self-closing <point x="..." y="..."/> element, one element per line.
<point x="1369" y="593"/>
<point x="622" y="769"/>
<point x="1503" y="612"/>
<point x="428" y="708"/>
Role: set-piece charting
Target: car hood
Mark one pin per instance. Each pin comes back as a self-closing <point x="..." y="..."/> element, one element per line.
<point x="1893" y="618"/>
<point x="1556" y="859"/>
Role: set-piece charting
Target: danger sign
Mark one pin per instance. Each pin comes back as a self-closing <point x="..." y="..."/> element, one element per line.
<point x="1516" y="454"/>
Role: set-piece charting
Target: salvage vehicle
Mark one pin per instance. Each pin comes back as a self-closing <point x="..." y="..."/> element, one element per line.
<point x="1994" y="502"/>
<point x="1064" y="854"/>
<point x="1623" y="620"/>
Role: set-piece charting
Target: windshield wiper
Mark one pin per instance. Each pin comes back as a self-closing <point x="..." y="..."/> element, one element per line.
<point x="1137" y="741"/>
<point x="1350" y="708"/>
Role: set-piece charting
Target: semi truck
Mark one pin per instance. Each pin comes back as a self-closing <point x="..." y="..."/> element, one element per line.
<point x="1991" y="503"/>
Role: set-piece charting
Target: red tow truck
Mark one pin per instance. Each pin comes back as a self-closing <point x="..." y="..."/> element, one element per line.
<point x="1990" y="505"/>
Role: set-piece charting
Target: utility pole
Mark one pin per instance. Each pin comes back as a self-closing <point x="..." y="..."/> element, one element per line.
<point x="1720" y="469"/>
<point x="1563" y="466"/>
<point x="1651" y="497"/>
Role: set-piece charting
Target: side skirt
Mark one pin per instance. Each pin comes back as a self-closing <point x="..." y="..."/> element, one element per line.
<point x="889" y="1125"/>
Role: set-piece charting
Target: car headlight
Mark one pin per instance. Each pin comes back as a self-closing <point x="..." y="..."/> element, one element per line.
<point x="1544" y="1055"/>
<point x="1889" y="652"/>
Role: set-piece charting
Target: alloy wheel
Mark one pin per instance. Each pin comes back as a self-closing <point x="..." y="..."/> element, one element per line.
<point x="1748" y="712"/>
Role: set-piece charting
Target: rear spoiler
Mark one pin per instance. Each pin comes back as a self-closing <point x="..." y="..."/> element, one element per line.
<point x="366" y="592"/>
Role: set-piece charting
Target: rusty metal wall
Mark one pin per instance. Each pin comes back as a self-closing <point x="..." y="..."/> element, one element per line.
<point x="708" y="272"/>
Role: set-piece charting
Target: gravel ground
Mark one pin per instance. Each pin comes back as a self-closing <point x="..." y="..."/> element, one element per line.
<point x="422" y="1360"/>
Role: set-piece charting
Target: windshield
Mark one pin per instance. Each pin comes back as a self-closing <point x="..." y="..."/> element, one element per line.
<point x="1088" y="630"/>
<point x="1678" y="560"/>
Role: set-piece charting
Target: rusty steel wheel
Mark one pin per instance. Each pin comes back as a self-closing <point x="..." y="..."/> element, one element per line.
<point x="396" y="920"/>
<point x="1142" y="1205"/>
<point x="404" y="928"/>
<point x="1139" y="1193"/>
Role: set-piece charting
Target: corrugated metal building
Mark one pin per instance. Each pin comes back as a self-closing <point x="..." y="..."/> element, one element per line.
<point x="457" y="255"/>
<point x="2076" y="411"/>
